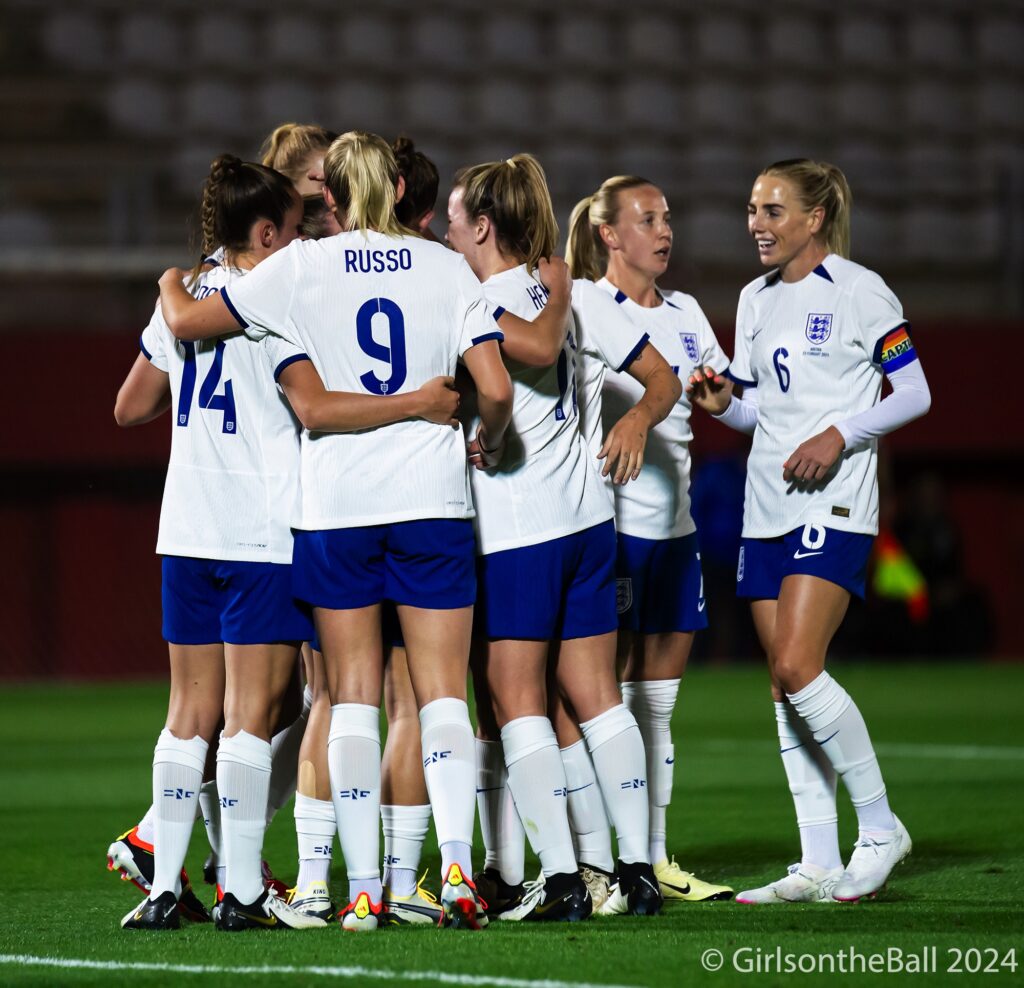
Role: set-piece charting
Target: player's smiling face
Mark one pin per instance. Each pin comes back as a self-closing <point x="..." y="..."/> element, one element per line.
<point x="783" y="231"/>
<point x="643" y="230"/>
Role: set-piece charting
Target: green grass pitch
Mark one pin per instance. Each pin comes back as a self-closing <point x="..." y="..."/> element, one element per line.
<point x="75" y="773"/>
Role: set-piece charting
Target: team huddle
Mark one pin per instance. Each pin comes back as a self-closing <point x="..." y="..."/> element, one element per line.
<point x="396" y="464"/>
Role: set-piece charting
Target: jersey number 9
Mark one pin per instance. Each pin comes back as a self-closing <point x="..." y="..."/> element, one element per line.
<point x="393" y="354"/>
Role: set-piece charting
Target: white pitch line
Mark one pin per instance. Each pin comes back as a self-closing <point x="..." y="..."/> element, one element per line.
<point x="445" y="977"/>
<point x="953" y="752"/>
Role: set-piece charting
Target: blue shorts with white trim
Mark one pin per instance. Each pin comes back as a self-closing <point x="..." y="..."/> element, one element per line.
<point x="559" y="589"/>
<point x="206" y="601"/>
<point x="659" y="586"/>
<point x="424" y="563"/>
<point x="813" y="550"/>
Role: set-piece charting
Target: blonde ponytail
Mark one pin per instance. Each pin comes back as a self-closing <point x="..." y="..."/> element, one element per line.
<point x="820" y="184"/>
<point x="361" y="171"/>
<point x="289" y="147"/>
<point x="514" y="194"/>
<point x="586" y="253"/>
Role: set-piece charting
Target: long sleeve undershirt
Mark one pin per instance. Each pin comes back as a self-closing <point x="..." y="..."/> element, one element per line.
<point x="909" y="400"/>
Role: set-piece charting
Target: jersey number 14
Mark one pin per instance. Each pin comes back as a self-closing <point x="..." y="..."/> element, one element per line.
<point x="208" y="397"/>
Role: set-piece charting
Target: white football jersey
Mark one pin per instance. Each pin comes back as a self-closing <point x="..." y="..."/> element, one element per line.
<point x="595" y="314"/>
<point x="813" y="349"/>
<point x="233" y="479"/>
<point x="545" y="486"/>
<point x="377" y="315"/>
<point x="657" y="504"/>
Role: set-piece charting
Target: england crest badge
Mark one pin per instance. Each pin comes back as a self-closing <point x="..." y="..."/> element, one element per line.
<point x="623" y="594"/>
<point x="689" y="341"/>
<point x="819" y="326"/>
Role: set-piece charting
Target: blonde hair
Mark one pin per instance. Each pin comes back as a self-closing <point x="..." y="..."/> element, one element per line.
<point x="817" y="183"/>
<point x="586" y="253"/>
<point x="514" y="195"/>
<point x="361" y="171"/>
<point x="288" y="148"/>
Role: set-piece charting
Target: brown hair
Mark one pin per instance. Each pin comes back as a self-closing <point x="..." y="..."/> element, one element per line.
<point x="586" y="253"/>
<point x="361" y="171"/>
<point x="817" y="183"/>
<point x="421" y="182"/>
<point x="514" y="194"/>
<point x="236" y="194"/>
<point x="288" y="147"/>
<point x="314" y="215"/>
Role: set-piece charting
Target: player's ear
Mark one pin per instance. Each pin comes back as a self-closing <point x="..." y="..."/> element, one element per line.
<point x="815" y="219"/>
<point x="424" y="220"/>
<point x="607" y="233"/>
<point x="483" y="227"/>
<point x="264" y="233"/>
<point x="400" y="188"/>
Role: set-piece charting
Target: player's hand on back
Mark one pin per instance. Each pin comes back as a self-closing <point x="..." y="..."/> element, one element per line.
<point x="440" y="401"/>
<point x="554" y="274"/>
<point x="709" y="390"/>
<point x="812" y="460"/>
<point x="480" y="456"/>
<point x="173" y="276"/>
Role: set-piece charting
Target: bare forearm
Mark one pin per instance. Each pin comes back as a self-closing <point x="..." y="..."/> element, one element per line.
<point x="339" y="411"/>
<point x="660" y="395"/>
<point x="495" y="415"/>
<point x="190" y="319"/>
<point x="536" y="343"/>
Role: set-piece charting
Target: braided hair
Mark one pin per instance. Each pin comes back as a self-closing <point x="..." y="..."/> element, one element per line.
<point x="236" y="194"/>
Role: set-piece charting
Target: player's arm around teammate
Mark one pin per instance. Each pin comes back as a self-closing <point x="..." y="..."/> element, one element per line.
<point x="621" y="238"/>
<point x="385" y="512"/>
<point x="546" y="542"/>
<point x="814" y="338"/>
<point x="228" y="611"/>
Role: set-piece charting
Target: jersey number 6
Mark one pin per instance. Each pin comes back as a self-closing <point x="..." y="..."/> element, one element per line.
<point x="780" y="368"/>
<point x="208" y="397"/>
<point x="392" y="354"/>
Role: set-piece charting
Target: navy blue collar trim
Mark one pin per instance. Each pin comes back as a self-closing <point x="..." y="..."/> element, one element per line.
<point x="822" y="272"/>
<point x="620" y="296"/>
<point x="771" y="278"/>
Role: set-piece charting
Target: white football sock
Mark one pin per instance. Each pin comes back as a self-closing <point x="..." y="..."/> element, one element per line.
<point x="145" y="825"/>
<point x="284" y="753"/>
<point x="621" y="771"/>
<point x="588" y="821"/>
<point x="651" y="702"/>
<point x="177" y="775"/>
<point x="812" y="781"/>
<point x="353" y="756"/>
<point x="449" y="767"/>
<point x="405" y="829"/>
<point x="209" y="806"/>
<point x="502" y="830"/>
<point x="536" y="778"/>
<point x="243" y="779"/>
<point x="839" y="728"/>
<point x="314" y="829"/>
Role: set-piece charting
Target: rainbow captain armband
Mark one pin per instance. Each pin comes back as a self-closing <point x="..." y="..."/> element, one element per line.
<point x="895" y="349"/>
